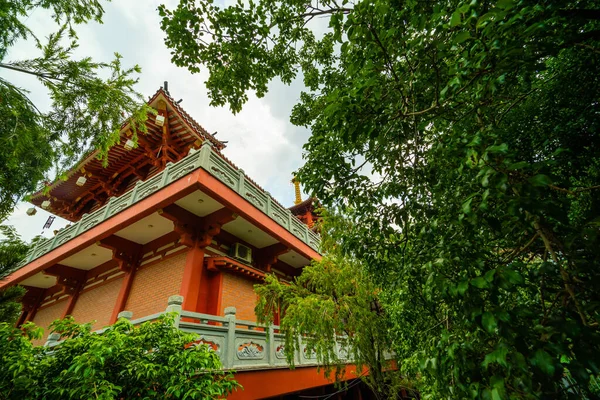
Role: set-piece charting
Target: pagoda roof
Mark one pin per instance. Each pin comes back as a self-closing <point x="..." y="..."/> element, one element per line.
<point x="306" y="205"/>
<point x="124" y="168"/>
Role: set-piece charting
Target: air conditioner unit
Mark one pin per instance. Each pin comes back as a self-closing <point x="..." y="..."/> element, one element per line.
<point x="241" y="252"/>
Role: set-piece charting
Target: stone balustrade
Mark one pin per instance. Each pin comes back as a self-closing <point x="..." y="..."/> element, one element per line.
<point x="209" y="160"/>
<point x="240" y="344"/>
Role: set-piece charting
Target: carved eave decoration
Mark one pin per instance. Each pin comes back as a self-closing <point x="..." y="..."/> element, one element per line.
<point x="160" y="145"/>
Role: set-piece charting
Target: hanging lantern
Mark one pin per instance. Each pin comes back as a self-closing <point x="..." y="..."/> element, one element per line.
<point x="81" y="181"/>
<point x="160" y="120"/>
<point x="129" y="144"/>
<point x="45" y="204"/>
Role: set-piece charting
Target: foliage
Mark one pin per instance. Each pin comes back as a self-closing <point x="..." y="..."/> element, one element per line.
<point x="89" y="99"/>
<point x="152" y="361"/>
<point x="460" y="140"/>
<point x="12" y="248"/>
<point x="332" y="306"/>
<point x="10" y="304"/>
<point x="12" y="251"/>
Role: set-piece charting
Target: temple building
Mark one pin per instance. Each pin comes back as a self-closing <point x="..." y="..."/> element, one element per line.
<point x="171" y="223"/>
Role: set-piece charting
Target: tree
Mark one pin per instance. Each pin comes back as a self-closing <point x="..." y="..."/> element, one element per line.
<point x="460" y="140"/>
<point x="87" y="109"/>
<point x="152" y="361"/>
<point x="333" y="305"/>
<point x="12" y="251"/>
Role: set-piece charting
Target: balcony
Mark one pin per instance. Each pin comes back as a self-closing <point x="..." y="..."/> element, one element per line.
<point x="212" y="162"/>
<point x="241" y="345"/>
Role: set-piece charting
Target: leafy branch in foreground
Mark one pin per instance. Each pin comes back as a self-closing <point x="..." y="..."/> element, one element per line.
<point x="12" y="250"/>
<point x="89" y="100"/>
<point x="333" y="306"/>
<point x="460" y="141"/>
<point x="152" y="361"/>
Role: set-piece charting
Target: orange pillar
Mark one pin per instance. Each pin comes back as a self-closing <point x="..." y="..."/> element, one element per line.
<point x="192" y="278"/>
<point x="72" y="300"/>
<point x="123" y="294"/>
<point x="22" y="319"/>
<point x="213" y="292"/>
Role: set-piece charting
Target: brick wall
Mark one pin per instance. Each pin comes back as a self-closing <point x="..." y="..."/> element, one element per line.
<point x="239" y="293"/>
<point x="45" y="316"/>
<point x="153" y="284"/>
<point x="97" y="303"/>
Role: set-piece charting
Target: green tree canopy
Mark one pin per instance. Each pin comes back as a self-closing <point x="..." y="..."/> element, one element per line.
<point x="152" y="361"/>
<point x="334" y="308"/>
<point x="460" y="140"/>
<point x="89" y="99"/>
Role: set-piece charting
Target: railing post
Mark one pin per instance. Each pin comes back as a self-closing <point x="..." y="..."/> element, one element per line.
<point x="128" y="315"/>
<point x="231" y="325"/>
<point x="203" y="159"/>
<point x="268" y="206"/>
<point x="175" y="303"/>
<point x="241" y="183"/>
<point x="134" y="193"/>
<point x="271" y="343"/>
<point x="165" y="176"/>
<point x="299" y="358"/>
<point x="53" y="338"/>
<point x="107" y="209"/>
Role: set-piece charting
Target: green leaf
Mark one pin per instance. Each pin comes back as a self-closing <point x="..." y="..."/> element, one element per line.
<point x="480" y="283"/>
<point x="505" y="4"/>
<point x="455" y="20"/>
<point x="544" y="362"/>
<point x="513" y="276"/>
<point x="461" y="37"/>
<point x="489" y="322"/>
<point x="462" y="287"/>
<point x="498" y="356"/>
<point x="496" y="394"/>
<point x="500" y="148"/>
<point x="540" y="180"/>
<point x="489" y="276"/>
<point x="466" y="206"/>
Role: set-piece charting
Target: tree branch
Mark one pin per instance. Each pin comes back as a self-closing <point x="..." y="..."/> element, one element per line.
<point x="40" y="75"/>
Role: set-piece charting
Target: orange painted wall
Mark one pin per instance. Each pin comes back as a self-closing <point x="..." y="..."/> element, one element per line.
<point x="45" y="316"/>
<point x="97" y="303"/>
<point x="239" y="293"/>
<point x="260" y="384"/>
<point x="153" y="284"/>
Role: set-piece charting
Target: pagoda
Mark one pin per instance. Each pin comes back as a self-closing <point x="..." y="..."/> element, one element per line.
<point x="169" y="223"/>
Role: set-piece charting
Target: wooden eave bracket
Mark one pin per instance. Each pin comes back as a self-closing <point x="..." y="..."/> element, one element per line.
<point x="267" y="256"/>
<point x="33" y="296"/>
<point x="69" y="278"/>
<point x="195" y="230"/>
<point x="221" y="262"/>
<point x="125" y="252"/>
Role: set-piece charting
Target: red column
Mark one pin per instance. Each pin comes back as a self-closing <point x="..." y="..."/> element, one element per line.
<point x="123" y="294"/>
<point x="72" y="300"/>
<point x="192" y="278"/>
<point x="214" y="292"/>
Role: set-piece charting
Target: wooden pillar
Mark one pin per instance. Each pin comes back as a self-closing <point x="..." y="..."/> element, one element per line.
<point x="309" y="219"/>
<point x="123" y="294"/>
<point x="72" y="300"/>
<point x="192" y="278"/>
<point x="21" y="319"/>
<point x="31" y="302"/>
<point x="213" y="292"/>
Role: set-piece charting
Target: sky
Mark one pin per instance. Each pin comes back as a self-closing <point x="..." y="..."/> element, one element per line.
<point x="261" y="139"/>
